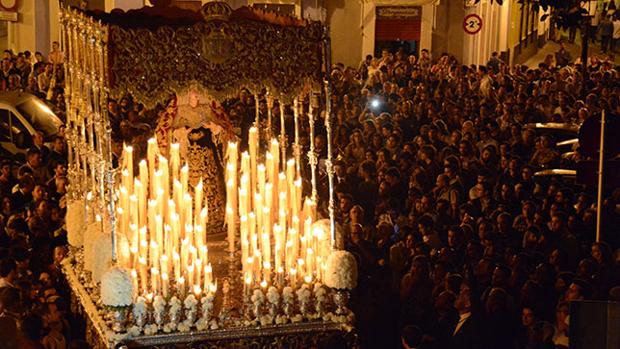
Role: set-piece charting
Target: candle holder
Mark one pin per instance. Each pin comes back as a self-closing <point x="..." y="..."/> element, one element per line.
<point x="341" y="300"/>
<point x="119" y="318"/>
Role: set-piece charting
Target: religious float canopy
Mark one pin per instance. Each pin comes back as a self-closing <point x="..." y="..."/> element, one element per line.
<point x="154" y="52"/>
<point x="138" y="231"/>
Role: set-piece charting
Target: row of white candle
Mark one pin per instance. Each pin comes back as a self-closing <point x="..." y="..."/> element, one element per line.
<point x="164" y="225"/>
<point x="275" y="229"/>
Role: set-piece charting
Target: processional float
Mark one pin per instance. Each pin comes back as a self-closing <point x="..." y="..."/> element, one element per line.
<point x="143" y="268"/>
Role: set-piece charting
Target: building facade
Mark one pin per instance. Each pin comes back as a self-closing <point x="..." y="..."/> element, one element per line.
<point x="358" y="27"/>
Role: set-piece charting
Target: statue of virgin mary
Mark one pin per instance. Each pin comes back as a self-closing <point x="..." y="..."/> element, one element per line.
<point x="199" y="126"/>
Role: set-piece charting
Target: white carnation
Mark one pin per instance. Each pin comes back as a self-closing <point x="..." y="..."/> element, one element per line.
<point x="116" y="288"/>
<point x="202" y="325"/>
<point x="319" y="292"/>
<point x="190" y="302"/>
<point x="287" y="294"/>
<point x="266" y="320"/>
<point x="341" y="270"/>
<point x="139" y="308"/>
<point x="303" y="294"/>
<point x="207" y="303"/>
<point x="159" y="304"/>
<point x="134" y="331"/>
<point x="281" y="319"/>
<point x="75" y="221"/>
<point x="175" y="305"/>
<point x="272" y="295"/>
<point x="150" y="330"/>
<point x="169" y="327"/>
<point x="258" y="297"/>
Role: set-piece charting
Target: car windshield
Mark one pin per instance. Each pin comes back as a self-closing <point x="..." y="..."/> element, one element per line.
<point x="40" y="116"/>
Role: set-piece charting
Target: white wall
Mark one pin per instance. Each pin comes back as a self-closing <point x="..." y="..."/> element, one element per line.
<point x="22" y="33"/>
<point x="123" y="4"/>
<point x="347" y="44"/>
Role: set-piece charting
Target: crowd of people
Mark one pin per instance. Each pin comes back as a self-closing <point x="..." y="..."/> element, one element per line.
<point x="34" y="304"/>
<point x="459" y="244"/>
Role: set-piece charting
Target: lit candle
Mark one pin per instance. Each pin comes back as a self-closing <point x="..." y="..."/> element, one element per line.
<point x="293" y="277"/>
<point x="198" y="275"/>
<point x="208" y="276"/>
<point x="190" y="274"/>
<point x="159" y="230"/>
<point x="203" y="253"/>
<point x="144" y="173"/>
<point x="175" y="160"/>
<point x="176" y="260"/>
<point x="231" y="228"/>
<point x="141" y="194"/>
<point x="134" y="281"/>
<point x="253" y="147"/>
<point x="152" y="151"/>
<point x="198" y="195"/>
<point x="142" y="263"/>
<point x="253" y="237"/>
<point x="163" y="262"/>
<point x="129" y="167"/>
<point x="181" y="287"/>
<point x="154" y="280"/>
<point x="164" y="284"/>
<point x="154" y="254"/>
<point x="197" y="291"/>
<point x="309" y="262"/>
<point x="184" y="178"/>
<point x="243" y="228"/>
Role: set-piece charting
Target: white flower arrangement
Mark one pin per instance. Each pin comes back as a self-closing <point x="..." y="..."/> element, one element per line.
<point x="258" y="297"/>
<point x="281" y="319"/>
<point x="75" y="221"/>
<point x="175" y="304"/>
<point x="139" y="307"/>
<point x="266" y="320"/>
<point x="134" y="331"/>
<point x="304" y="293"/>
<point x="159" y="303"/>
<point x="287" y="294"/>
<point x="190" y="302"/>
<point x="150" y="329"/>
<point x="341" y="271"/>
<point x="102" y="257"/>
<point x="320" y="293"/>
<point x="202" y="325"/>
<point x="169" y="327"/>
<point x="116" y="288"/>
<point x="186" y="325"/>
<point x="273" y="296"/>
<point x="207" y="303"/>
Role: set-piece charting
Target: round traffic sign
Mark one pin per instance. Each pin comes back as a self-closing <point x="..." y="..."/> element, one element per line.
<point x="472" y="24"/>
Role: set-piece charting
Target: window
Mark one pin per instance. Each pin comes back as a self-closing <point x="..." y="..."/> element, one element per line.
<point x="5" y="126"/>
<point x="21" y="137"/>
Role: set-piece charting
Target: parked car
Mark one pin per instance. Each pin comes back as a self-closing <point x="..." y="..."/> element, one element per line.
<point x="21" y="115"/>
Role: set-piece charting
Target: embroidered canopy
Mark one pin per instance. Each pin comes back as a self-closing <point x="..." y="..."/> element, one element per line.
<point x="155" y="52"/>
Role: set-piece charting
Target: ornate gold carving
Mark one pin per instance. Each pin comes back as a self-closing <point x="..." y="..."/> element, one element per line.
<point x="221" y="56"/>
